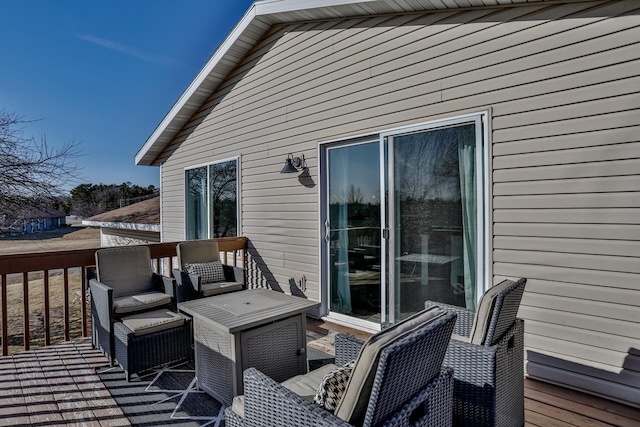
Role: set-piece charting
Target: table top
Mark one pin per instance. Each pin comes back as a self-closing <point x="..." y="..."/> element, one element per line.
<point x="238" y="311"/>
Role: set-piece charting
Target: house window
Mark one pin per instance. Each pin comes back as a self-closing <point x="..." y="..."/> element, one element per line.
<point x="212" y="200"/>
<point x="412" y="228"/>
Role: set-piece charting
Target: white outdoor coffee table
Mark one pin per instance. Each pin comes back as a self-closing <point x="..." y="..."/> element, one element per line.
<point x="253" y="328"/>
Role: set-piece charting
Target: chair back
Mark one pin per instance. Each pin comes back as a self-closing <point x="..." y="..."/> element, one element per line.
<point x="196" y="251"/>
<point x="394" y="365"/>
<point x="497" y="312"/>
<point x="126" y="269"/>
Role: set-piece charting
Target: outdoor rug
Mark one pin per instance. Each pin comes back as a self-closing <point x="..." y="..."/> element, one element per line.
<point x="164" y="397"/>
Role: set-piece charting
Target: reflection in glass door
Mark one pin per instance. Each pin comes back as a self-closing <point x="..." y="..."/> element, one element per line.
<point x="433" y="214"/>
<point x="353" y="230"/>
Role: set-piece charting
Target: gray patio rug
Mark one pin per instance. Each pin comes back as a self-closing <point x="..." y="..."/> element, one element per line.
<point x="164" y="397"/>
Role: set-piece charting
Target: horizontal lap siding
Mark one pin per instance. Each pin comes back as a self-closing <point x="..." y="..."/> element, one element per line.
<point x="566" y="186"/>
<point x="562" y="84"/>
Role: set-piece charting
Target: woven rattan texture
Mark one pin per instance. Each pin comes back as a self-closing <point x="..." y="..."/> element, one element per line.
<point x="213" y="360"/>
<point x="489" y="379"/>
<point x="137" y="354"/>
<point x="464" y="322"/>
<point x="407" y="366"/>
<point x="275" y="351"/>
<point x="102" y="318"/>
<point x="505" y="312"/>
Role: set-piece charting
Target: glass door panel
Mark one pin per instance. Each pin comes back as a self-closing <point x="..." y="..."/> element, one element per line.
<point x="354" y="269"/>
<point x="432" y="217"/>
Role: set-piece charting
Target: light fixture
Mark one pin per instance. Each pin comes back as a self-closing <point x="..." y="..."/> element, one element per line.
<point x="292" y="164"/>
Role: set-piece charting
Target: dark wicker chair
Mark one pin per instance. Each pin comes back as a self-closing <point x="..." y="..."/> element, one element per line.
<point x="133" y="312"/>
<point x="397" y="380"/>
<point x="486" y="353"/>
<point x="190" y="286"/>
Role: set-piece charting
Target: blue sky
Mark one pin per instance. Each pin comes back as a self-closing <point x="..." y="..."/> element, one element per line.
<point x="104" y="73"/>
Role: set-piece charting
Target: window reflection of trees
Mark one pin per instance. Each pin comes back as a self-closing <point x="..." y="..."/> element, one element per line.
<point x="427" y="180"/>
<point x="222" y="194"/>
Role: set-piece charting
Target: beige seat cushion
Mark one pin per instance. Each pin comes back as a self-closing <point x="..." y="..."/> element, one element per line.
<point x="353" y="405"/>
<point x="304" y="385"/>
<point x="152" y="321"/>
<point x="209" y="289"/>
<point x="484" y="312"/>
<point x="139" y="302"/>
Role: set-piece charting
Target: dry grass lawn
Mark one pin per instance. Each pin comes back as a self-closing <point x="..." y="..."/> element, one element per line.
<point x="64" y="239"/>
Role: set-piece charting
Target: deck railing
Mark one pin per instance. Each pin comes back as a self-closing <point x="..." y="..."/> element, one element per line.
<point x="18" y="271"/>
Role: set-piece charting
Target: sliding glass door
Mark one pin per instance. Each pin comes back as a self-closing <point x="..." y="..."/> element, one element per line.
<point x="352" y="229"/>
<point x="419" y="238"/>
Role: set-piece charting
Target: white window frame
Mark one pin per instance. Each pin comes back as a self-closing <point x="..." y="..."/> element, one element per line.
<point x="237" y="159"/>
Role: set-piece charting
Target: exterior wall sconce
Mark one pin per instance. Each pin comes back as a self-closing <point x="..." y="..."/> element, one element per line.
<point x="295" y="165"/>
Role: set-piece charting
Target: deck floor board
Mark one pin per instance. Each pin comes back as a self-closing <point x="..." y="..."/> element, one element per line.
<point x="57" y="385"/>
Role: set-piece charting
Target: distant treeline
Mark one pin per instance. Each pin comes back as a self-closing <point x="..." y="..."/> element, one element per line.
<point x="91" y="199"/>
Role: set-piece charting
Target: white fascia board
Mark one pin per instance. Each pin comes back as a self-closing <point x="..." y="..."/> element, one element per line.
<point x="216" y="58"/>
<point x="269" y="7"/>
<point x="123" y="225"/>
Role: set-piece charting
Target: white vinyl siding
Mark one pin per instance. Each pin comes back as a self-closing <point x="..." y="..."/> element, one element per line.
<point x="561" y="83"/>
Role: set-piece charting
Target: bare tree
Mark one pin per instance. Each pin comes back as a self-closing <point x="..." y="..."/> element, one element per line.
<point x="29" y="169"/>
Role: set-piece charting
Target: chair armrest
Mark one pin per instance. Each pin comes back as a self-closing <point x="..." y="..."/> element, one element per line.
<point x="233" y="274"/>
<point x="267" y="403"/>
<point x="102" y="302"/>
<point x="473" y="364"/>
<point x="347" y="348"/>
<point x="464" y="322"/>
<point x="167" y="285"/>
<point x="187" y="285"/>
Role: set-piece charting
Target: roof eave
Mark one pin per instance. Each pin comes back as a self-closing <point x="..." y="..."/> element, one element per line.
<point x="193" y="96"/>
<point x="253" y="25"/>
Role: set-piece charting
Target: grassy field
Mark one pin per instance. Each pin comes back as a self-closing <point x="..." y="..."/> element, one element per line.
<point x="64" y="239"/>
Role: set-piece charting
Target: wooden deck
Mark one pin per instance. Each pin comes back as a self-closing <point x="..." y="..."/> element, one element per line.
<point x="58" y="386"/>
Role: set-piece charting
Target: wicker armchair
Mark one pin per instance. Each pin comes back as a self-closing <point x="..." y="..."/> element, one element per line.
<point x="191" y="285"/>
<point x="133" y="312"/>
<point x="397" y="380"/>
<point x="486" y="353"/>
